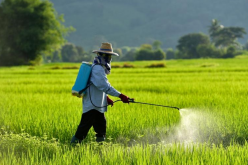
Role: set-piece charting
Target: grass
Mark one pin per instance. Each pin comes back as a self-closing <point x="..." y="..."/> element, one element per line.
<point x="38" y="115"/>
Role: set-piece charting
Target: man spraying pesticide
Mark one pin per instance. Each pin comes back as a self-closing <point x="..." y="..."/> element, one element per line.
<point x="93" y="85"/>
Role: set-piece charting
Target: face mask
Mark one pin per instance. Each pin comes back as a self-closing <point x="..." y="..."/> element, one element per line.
<point x="106" y="57"/>
<point x="104" y="60"/>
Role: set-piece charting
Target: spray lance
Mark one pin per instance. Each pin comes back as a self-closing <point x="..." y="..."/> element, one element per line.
<point x="132" y="101"/>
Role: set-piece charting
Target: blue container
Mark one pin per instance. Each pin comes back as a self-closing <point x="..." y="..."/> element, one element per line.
<point x="82" y="79"/>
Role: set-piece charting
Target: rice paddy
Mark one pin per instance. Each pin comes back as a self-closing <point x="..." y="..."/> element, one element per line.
<point x="38" y="115"/>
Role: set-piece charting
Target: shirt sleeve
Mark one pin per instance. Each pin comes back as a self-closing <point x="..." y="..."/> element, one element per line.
<point x="99" y="79"/>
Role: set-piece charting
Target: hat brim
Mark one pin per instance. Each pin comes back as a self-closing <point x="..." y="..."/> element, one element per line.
<point x="100" y="51"/>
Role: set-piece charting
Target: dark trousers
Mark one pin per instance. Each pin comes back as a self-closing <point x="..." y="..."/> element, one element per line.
<point x="91" y="118"/>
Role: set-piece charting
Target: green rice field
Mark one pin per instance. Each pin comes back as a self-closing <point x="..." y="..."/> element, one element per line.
<point x="38" y="115"/>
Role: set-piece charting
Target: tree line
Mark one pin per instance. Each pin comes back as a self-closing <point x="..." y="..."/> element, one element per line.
<point x="72" y="53"/>
<point x="220" y="43"/>
<point x="32" y="31"/>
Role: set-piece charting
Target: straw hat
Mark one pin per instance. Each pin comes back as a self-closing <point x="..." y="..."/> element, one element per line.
<point x="106" y="48"/>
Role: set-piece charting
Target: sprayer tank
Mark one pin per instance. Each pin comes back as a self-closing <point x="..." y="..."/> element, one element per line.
<point x="82" y="79"/>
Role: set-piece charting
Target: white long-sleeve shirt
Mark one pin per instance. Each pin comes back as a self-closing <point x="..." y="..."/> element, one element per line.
<point x="98" y="91"/>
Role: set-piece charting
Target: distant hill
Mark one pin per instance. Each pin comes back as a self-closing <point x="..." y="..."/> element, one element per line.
<point x="134" y="22"/>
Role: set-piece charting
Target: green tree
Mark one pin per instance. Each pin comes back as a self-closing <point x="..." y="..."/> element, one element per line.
<point x="170" y="54"/>
<point x="72" y="53"/>
<point x="80" y="50"/>
<point x="146" y="47"/>
<point x="158" y="55"/>
<point x="187" y="45"/>
<point x="180" y="55"/>
<point x="209" y="51"/>
<point x="69" y="53"/>
<point x="83" y="56"/>
<point x="118" y="51"/>
<point x="231" y="52"/>
<point x="57" y="56"/>
<point x="228" y="36"/>
<point x="214" y="28"/>
<point x="146" y="52"/>
<point x="125" y="50"/>
<point x="225" y="36"/>
<point x="129" y="56"/>
<point x="156" y="45"/>
<point x="29" y="28"/>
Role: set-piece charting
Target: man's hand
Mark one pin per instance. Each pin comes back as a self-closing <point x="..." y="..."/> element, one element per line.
<point x="124" y="99"/>
<point x="110" y="102"/>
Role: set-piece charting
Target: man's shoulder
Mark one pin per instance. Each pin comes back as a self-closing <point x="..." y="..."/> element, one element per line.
<point x="97" y="67"/>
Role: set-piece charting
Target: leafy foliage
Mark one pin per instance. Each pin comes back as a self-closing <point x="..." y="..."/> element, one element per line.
<point x="224" y="42"/>
<point x="29" y="28"/>
<point x="228" y="36"/>
<point x="209" y="51"/>
<point x="230" y="53"/>
<point x="170" y="54"/>
<point x="149" y="52"/>
<point x="225" y="36"/>
<point x="214" y="29"/>
<point x="187" y="45"/>
<point x="71" y="53"/>
<point x="156" y="45"/>
<point x="129" y="56"/>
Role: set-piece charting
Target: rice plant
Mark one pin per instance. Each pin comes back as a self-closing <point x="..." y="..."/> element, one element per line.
<point x="38" y="115"/>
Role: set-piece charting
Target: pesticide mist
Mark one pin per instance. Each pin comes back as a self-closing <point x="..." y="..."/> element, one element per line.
<point x="192" y="128"/>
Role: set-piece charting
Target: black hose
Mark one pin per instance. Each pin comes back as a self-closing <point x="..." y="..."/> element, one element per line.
<point x="92" y="102"/>
<point x="97" y="106"/>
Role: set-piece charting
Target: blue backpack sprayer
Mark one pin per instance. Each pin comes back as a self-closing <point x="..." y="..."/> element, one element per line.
<point x="82" y="83"/>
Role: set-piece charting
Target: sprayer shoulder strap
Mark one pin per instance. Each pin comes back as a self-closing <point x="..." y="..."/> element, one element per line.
<point x="93" y="65"/>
